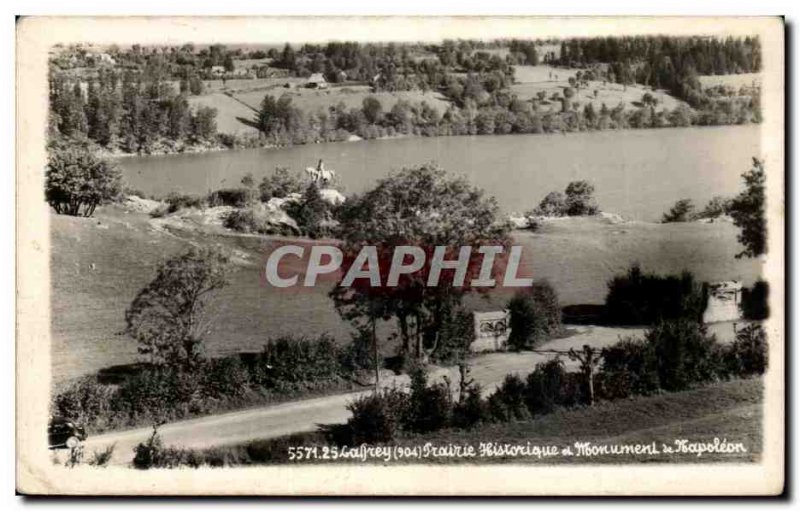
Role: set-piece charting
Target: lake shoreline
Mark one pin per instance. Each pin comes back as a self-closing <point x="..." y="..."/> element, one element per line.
<point x="356" y="138"/>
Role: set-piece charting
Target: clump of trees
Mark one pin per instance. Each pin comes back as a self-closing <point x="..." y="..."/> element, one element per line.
<point x="684" y="210"/>
<point x="129" y="112"/>
<point x="577" y="200"/>
<point x="422" y="207"/>
<point x="77" y="180"/>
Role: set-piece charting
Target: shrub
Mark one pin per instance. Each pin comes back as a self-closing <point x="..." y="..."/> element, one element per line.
<point x="311" y="213"/>
<point x="84" y="401"/>
<point x="176" y="201"/>
<point x="684" y="354"/>
<point x="715" y="208"/>
<point x="748" y="353"/>
<point x="629" y="367"/>
<point x="298" y="363"/>
<point x="544" y="387"/>
<point x="153" y="454"/>
<point x="535" y="316"/>
<point x="430" y="407"/>
<point x="101" y="458"/>
<point x="243" y="220"/>
<point x="224" y="378"/>
<point x="580" y="199"/>
<point x="377" y="417"/>
<point x="554" y="204"/>
<point x="639" y="298"/>
<point x="235" y="197"/>
<point x="680" y="212"/>
<point x="280" y="184"/>
<point x="77" y="180"/>
<point x="508" y="402"/>
<point x="755" y="301"/>
<point x="471" y="410"/>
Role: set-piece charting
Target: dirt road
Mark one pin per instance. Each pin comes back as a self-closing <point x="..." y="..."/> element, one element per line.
<point x="488" y="370"/>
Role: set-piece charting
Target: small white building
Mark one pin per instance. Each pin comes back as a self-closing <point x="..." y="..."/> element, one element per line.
<point x="218" y="70"/>
<point x="316" y="81"/>
<point x="724" y="299"/>
<point x="491" y="331"/>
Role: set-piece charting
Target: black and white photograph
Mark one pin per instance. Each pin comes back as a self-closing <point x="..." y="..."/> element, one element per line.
<point x="400" y="255"/>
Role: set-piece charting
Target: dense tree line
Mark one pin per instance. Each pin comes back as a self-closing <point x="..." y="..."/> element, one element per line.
<point x="390" y="66"/>
<point x="131" y="112"/>
<point x="664" y="62"/>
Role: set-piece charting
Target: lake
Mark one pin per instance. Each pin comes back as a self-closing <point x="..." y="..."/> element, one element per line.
<point x="637" y="173"/>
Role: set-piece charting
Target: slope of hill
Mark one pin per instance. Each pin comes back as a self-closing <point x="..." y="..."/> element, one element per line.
<point x="99" y="264"/>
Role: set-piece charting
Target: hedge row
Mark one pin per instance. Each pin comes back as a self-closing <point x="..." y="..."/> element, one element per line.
<point x="287" y="367"/>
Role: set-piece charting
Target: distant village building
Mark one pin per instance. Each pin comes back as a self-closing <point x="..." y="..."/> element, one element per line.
<point x="218" y="70"/>
<point x="491" y="330"/>
<point x="316" y="81"/>
<point x="105" y="58"/>
<point x="724" y="299"/>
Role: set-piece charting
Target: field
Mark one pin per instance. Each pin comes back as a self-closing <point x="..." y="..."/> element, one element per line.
<point x="530" y="80"/>
<point x="737" y="81"/>
<point x="312" y="100"/>
<point x="99" y="264"/>
<point x="730" y="410"/>
<point x="229" y="113"/>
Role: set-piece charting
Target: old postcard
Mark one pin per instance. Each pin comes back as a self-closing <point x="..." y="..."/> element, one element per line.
<point x="400" y="256"/>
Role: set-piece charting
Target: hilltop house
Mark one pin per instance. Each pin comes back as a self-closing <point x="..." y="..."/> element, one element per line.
<point x="316" y="81"/>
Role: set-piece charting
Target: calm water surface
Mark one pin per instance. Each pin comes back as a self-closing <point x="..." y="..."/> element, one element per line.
<point x="637" y="173"/>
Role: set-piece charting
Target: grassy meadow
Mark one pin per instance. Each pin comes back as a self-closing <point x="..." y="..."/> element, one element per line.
<point x="100" y="263"/>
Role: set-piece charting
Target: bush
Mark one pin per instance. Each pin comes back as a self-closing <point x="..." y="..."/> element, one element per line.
<point x="535" y="316"/>
<point x="508" y="401"/>
<point x="152" y="454"/>
<point x="279" y="185"/>
<point x="639" y="298"/>
<point x="235" y="197"/>
<point x="430" y="408"/>
<point x="755" y="301"/>
<point x="224" y="378"/>
<point x="176" y="201"/>
<point x="554" y="204"/>
<point x="311" y="213"/>
<point x="684" y="354"/>
<point x="77" y="180"/>
<point x="629" y="368"/>
<point x="680" y="212"/>
<point x="85" y="401"/>
<point x="471" y="410"/>
<point x="580" y="199"/>
<point x="298" y="363"/>
<point x="377" y="417"/>
<point x="715" y="208"/>
<point x="242" y="220"/>
<point x="544" y="387"/>
<point x="748" y="355"/>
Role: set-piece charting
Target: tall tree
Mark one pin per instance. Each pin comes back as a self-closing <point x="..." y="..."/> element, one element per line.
<point x="748" y="210"/>
<point x="421" y="207"/>
<point x="168" y="317"/>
